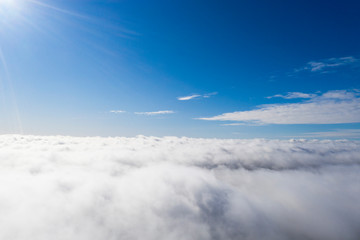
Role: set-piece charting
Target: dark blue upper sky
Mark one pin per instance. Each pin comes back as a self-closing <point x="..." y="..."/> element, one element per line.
<point x="121" y="68"/>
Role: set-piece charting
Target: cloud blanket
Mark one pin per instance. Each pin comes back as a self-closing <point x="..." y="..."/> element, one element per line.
<point x="172" y="188"/>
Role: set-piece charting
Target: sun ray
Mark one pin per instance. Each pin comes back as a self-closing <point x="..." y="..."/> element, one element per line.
<point x="48" y="6"/>
<point x="12" y="96"/>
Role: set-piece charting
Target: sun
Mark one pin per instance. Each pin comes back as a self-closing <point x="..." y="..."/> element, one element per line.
<point x="8" y="3"/>
<point x="8" y="7"/>
<point x="12" y="11"/>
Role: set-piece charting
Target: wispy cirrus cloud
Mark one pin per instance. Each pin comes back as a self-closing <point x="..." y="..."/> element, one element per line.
<point x="292" y="95"/>
<point x="339" y="106"/>
<point x="117" y="111"/>
<point x="196" y="96"/>
<point x="155" y="113"/>
<point x="185" y="98"/>
<point x="327" y="64"/>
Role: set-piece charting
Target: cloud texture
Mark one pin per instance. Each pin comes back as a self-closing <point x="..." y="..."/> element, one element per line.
<point x="178" y="188"/>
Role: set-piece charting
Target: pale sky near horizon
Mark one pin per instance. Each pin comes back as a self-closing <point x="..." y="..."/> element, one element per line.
<point x="224" y="69"/>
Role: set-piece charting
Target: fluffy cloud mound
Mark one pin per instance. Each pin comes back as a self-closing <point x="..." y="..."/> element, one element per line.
<point x="178" y="188"/>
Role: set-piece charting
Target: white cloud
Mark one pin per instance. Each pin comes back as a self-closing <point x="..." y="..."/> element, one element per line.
<point x="329" y="108"/>
<point x="340" y="94"/>
<point x="194" y="96"/>
<point x="185" y="98"/>
<point x="292" y="95"/>
<point x="117" y="111"/>
<point x="324" y="65"/>
<point x="155" y="113"/>
<point x="178" y="188"/>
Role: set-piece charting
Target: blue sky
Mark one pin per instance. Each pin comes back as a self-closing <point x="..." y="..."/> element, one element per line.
<point x="228" y="69"/>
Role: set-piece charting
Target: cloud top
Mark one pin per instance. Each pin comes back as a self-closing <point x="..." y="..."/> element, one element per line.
<point x="178" y="188"/>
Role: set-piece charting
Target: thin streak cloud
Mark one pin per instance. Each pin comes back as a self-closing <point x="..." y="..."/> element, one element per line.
<point x="155" y="113"/>
<point x="293" y="95"/>
<point x="196" y="96"/>
<point x="185" y="98"/>
<point x="117" y="111"/>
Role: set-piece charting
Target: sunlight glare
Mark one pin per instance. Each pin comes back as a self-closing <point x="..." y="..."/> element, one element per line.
<point x="10" y="7"/>
<point x="8" y="4"/>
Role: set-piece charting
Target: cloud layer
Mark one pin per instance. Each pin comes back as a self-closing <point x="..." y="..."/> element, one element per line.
<point x="178" y="188"/>
<point x="332" y="107"/>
